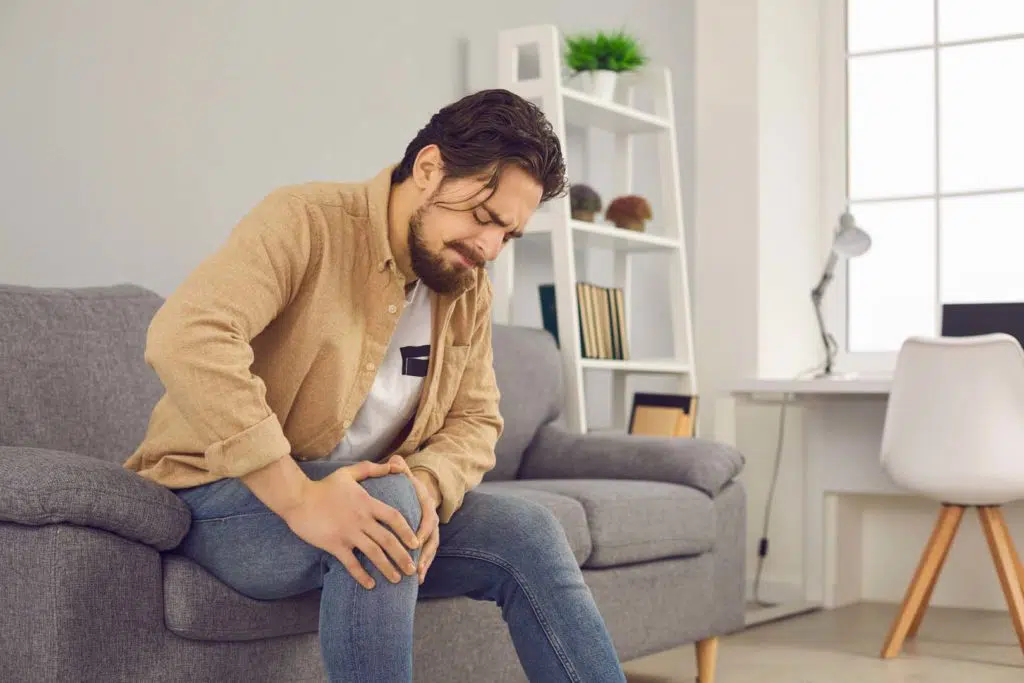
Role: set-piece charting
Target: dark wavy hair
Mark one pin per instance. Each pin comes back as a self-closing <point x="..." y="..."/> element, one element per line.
<point x="485" y="132"/>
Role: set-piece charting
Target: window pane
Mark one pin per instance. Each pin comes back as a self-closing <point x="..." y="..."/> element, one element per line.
<point x="892" y="125"/>
<point x="882" y="24"/>
<point x="891" y="293"/>
<point x="981" y="248"/>
<point x="971" y="19"/>
<point x="981" y="110"/>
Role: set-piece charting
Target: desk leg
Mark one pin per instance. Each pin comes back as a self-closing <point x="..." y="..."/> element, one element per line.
<point x="844" y="555"/>
<point x="818" y="526"/>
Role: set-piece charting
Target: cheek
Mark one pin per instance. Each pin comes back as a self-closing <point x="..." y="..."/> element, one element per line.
<point x="454" y="227"/>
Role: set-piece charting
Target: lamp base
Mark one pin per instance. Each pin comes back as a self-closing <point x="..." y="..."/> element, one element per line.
<point x="832" y="374"/>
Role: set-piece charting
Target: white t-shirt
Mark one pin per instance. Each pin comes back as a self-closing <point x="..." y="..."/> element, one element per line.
<point x="396" y="389"/>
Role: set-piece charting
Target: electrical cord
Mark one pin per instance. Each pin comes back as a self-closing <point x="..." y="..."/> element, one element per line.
<point x="762" y="545"/>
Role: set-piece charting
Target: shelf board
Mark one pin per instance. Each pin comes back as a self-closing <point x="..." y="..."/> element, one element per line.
<point x="586" y="110"/>
<point x="656" y="366"/>
<point x="604" y="236"/>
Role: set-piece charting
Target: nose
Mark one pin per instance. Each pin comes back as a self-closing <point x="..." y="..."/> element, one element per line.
<point x="490" y="242"/>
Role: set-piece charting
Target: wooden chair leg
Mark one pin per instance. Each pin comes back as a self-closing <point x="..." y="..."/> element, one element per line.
<point x="1016" y="557"/>
<point x="1007" y="564"/>
<point x="916" y="623"/>
<point x="707" y="658"/>
<point x="927" y="569"/>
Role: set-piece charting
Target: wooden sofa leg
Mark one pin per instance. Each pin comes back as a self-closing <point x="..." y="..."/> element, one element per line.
<point x="707" y="657"/>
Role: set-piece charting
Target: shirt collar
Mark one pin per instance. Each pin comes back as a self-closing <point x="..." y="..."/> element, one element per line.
<point x="378" y="192"/>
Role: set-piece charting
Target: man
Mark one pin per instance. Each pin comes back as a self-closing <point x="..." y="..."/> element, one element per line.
<point x="331" y="404"/>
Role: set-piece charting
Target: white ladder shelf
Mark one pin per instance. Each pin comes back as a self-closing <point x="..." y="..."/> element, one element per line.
<point x="567" y="107"/>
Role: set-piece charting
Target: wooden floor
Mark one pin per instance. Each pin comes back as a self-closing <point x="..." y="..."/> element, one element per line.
<point x="843" y="646"/>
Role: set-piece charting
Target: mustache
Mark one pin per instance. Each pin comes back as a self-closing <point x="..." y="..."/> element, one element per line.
<point x="469" y="254"/>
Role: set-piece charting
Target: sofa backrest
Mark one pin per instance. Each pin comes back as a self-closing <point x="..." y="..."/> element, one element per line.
<point x="528" y="369"/>
<point x="72" y="372"/>
<point x="73" y="376"/>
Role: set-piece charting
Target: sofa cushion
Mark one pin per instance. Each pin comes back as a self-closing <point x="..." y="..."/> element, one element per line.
<point x="528" y="371"/>
<point x="567" y="511"/>
<point x="638" y="521"/>
<point x="74" y="374"/>
<point x="199" y="606"/>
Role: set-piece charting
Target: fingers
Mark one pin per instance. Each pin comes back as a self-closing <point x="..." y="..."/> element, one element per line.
<point x="349" y="561"/>
<point x="366" y="469"/>
<point x="392" y="546"/>
<point x="394" y="519"/>
<point x="428" y="553"/>
<point x="428" y="523"/>
<point x="376" y="555"/>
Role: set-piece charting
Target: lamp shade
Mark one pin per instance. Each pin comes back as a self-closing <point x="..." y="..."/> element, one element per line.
<point x="850" y="240"/>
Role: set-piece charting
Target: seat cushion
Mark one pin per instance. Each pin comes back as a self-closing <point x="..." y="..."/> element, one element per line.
<point x="567" y="511"/>
<point x="638" y="521"/>
<point x="199" y="606"/>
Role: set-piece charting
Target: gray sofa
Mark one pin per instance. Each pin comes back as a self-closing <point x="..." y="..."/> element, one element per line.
<point x="92" y="589"/>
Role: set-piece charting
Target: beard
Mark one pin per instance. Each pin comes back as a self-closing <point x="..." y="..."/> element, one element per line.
<point x="435" y="272"/>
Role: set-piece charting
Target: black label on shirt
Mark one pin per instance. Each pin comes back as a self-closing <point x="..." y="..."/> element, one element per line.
<point x="415" y="360"/>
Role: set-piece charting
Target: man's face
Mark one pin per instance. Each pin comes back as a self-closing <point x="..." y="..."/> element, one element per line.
<point x="452" y="234"/>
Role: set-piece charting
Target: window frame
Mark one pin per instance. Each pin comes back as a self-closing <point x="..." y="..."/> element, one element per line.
<point x="834" y="168"/>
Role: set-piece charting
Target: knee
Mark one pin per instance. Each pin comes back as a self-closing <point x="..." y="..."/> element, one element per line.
<point x="395" y="490"/>
<point x="536" y="534"/>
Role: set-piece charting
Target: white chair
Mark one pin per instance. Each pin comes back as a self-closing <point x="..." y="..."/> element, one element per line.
<point x="954" y="432"/>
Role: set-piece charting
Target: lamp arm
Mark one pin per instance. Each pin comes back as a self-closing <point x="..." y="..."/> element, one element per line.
<point x="818" y="293"/>
<point x="817" y="296"/>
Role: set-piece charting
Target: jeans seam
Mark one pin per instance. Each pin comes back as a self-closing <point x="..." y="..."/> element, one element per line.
<point x="556" y="645"/>
<point x="231" y="516"/>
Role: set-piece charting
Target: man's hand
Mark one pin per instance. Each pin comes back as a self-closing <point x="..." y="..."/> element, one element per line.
<point x="338" y="515"/>
<point x="429" y="493"/>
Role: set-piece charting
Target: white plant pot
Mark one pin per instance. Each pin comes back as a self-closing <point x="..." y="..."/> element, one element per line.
<point x="600" y="83"/>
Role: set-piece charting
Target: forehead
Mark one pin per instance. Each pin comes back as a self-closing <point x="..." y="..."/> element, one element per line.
<point x="516" y="191"/>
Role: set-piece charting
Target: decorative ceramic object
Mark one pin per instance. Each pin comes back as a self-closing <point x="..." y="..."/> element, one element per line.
<point x="584" y="202"/>
<point x="630" y="212"/>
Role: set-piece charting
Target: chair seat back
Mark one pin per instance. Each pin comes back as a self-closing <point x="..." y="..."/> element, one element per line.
<point x="954" y="426"/>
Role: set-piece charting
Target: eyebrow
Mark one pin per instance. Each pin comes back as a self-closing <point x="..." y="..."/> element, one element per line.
<point x="497" y="219"/>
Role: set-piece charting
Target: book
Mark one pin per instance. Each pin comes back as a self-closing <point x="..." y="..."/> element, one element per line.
<point x="601" y="316"/>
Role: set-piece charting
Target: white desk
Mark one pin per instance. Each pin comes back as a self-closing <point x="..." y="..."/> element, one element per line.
<point x="842" y="429"/>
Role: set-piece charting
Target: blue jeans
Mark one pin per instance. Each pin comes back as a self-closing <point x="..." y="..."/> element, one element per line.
<point x="496" y="547"/>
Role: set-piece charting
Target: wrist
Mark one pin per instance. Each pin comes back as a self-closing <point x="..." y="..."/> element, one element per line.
<point x="430" y="481"/>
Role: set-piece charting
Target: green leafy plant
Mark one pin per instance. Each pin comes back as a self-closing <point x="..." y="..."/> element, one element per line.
<point x="613" y="51"/>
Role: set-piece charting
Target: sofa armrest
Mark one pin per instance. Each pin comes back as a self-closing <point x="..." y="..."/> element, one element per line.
<point x="557" y="453"/>
<point x="39" y="486"/>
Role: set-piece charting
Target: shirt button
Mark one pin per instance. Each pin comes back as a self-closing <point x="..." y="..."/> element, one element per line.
<point x="346" y="424"/>
<point x="392" y="308"/>
<point x="369" y="367"/>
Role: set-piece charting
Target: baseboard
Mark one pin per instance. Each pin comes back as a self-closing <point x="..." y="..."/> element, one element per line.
<point x="776" y="591"/>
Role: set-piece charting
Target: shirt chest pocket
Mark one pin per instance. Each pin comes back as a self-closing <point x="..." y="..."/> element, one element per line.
<point x="453" y="366"/>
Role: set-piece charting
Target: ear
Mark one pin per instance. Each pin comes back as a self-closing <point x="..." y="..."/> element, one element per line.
<point x="426" y="170"/>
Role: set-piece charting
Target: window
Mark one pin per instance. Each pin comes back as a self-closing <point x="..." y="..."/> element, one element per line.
<point x="934" y="161"/>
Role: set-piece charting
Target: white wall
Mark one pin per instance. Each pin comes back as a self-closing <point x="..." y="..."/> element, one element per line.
<point x="760" y="245"/>
<point x="136" y="134"/>
<point x="141" y="132"/>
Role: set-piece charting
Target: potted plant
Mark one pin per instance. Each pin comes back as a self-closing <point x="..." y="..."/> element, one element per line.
<point x="597" y="59"/>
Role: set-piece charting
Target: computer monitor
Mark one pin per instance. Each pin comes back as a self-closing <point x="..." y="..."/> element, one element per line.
<point x="966" y="320"/>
